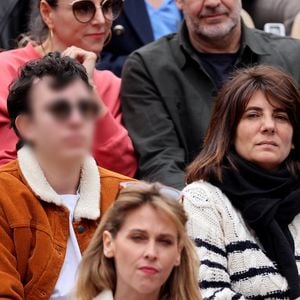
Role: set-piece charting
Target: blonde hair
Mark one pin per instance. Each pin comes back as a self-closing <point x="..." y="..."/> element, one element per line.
<point x="98" y="273"/>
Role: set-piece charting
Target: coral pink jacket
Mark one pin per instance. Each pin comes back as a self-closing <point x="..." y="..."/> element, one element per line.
<point x="113" y="148"/>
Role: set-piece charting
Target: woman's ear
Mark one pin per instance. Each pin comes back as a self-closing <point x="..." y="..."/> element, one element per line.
<point x="178" y="258"/>
<point x="108" y="244"/>
<point x="47" y="14"/>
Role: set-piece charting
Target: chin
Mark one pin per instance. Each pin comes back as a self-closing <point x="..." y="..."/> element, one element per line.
<point x="75" y="155"/>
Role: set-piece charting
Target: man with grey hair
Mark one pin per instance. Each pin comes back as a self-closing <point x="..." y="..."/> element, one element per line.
<point x="169" y="85"/>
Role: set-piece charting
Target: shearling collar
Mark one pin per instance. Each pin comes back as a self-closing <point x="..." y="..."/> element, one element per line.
<point x="105" y="295"/>
<point x="88" y="206"/>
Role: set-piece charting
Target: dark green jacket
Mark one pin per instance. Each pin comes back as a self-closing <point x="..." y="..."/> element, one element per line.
<point x="167" y="97"/>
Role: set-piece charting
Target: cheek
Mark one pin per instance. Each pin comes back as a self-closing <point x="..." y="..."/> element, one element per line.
<point x="169" y="259"/>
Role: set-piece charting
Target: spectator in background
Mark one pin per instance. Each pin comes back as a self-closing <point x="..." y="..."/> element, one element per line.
<point x="77" y="29"/>
<point x="243" y="198"/>
<point x="141" y="22"/>
<point x="52" y="197"/>
<point x="14" y="19"/>
<point x="168" y="86"/>
<point x="273" y="11"/>
<point x="141" y="250"/>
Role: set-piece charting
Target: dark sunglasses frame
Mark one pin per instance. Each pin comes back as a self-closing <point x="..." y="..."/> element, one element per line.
<point x="62" y="109"/>
<point x="76" y="5"/>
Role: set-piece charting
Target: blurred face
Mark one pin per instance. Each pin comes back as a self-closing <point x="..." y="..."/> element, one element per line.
<point x="211" y="19"/>
<point x="145" y="251"/>
<point x="264" y="134"/>
<point x="61" y="125"/>
<point x="71" y="31"/>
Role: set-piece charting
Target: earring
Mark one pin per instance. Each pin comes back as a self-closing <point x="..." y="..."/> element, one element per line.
<point x="108" y="38"/>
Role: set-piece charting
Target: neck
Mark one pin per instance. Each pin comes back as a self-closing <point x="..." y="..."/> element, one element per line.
<point x="228" y="44"/>
<point x="64" y="177"/>
<point x="50" y="45"/>
<point x="133" y="295"/>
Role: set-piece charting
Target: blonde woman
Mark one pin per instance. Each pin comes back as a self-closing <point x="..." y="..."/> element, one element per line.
<point x="141" y="250"/>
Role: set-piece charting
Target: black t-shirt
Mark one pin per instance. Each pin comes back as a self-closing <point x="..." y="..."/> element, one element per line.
<point x="218" y="66"/>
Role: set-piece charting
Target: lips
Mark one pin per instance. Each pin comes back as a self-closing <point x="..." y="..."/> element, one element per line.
<point x="149" y="270"/>
<point x="96" y="35"/>
<point x="267" y="143"/>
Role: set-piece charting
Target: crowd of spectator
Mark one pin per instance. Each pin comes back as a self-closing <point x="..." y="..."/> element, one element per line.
<point x="149" y="149"/>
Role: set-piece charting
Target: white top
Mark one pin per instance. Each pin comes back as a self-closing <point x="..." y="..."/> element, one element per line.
<point x="66" y="280"/>
<point x="233" y="264"/>
<point x="105" y="295"/>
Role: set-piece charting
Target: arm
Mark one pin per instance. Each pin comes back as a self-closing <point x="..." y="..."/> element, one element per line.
<point x="205" y="229"/>
<point x="161" y="157"/>
<point x="11" y="286"/>
<point x="8" y="139"/>
<point x="113" y="148"/>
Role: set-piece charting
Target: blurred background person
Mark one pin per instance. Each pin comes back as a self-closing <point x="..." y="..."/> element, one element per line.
<point x="14" y="20"/>
<point x="53" y="195"/>
<point x="141" y="250"/>
<point x="78" y="29"/>
<point x="141" y="22"/>
<point x="273" y="11"/>
<point x="244" y="189"/>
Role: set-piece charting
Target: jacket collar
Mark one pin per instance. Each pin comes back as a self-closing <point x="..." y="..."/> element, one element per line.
<point x="251" y="38"/>
<point x="88" y="206"/>
<point x="105" y="295"/>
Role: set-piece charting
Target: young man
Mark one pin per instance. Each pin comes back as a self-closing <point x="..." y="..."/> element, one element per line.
<point x="52" y="196"/>
<point x="169" y="85"/>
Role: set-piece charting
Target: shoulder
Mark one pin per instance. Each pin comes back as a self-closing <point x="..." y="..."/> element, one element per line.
<point x="10" y="172"/>
<point x="151" y="50"/>
<point x="201" y="193"/>
<point x="281" y="43"/>
<point x="110" y="176"/>
<point x="18" y="56"/>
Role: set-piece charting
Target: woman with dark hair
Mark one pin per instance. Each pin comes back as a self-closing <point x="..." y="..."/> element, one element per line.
<point x="78" y="29"/>
<point x="244" y="190"/>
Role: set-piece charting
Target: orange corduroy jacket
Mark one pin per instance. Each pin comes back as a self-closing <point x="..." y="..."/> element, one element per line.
<point x="34" y="227"/>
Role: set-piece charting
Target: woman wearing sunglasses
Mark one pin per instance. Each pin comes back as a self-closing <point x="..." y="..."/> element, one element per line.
<point x="78" y="29"/>
<point x="140" y="250"/>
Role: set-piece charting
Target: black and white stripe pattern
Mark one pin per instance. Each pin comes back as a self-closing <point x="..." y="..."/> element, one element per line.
<point x="233" y="264"/>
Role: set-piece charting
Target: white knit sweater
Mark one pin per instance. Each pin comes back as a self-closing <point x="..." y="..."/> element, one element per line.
<point x="233" y="264"/>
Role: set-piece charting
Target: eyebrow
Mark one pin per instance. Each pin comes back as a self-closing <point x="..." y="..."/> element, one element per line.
<point x="260" y="109"/>
<point x="161" y="235"/>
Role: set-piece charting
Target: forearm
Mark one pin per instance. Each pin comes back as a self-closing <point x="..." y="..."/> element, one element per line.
<point x="113" y="148"/>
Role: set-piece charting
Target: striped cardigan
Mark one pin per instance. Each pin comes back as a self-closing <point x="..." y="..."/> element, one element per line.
<point x="233" y="263"/>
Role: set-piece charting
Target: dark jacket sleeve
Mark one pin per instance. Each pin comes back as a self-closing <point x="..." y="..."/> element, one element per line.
<point x="161" y="157"/>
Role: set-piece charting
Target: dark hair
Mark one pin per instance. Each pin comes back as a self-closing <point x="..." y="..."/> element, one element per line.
<point x="38" y="28"/>
<point x="231" y="103"/>
<point x="61" y="70"/>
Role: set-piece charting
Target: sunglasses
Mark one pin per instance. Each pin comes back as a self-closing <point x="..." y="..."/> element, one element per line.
<point x="164" y="190"/>
<point x="85" y="10"/>
<point x="62" y="109"/>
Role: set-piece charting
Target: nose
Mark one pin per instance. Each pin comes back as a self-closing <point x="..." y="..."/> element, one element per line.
<point x="212" y="3"/>
<point x="151" y="251"/>
<point x="268" y="124"/>
<point x="75" y="118"/>
<point x="99" y="16"/>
